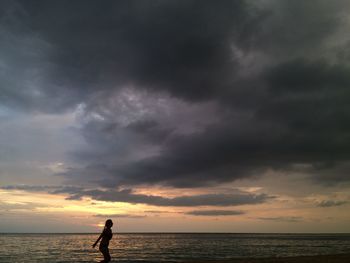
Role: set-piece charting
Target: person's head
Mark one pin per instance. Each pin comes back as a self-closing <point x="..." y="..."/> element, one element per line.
<point x="109" y="223"/>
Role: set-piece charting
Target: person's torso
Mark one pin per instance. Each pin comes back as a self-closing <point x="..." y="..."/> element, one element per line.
<point x="107" y="235"/>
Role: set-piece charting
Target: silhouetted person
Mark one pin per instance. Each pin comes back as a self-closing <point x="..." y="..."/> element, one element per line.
<point x="106" y="235"/>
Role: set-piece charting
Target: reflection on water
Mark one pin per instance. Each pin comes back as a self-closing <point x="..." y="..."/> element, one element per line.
<point x="166" y="247"/>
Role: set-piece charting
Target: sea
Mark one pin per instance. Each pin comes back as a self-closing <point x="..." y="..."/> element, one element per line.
<point x="167" y="247"/>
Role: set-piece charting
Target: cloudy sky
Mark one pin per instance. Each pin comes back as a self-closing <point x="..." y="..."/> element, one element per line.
<point x="214" y="116"/>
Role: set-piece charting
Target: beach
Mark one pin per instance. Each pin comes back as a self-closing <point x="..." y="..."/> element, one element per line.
<point x="339" y="258"/>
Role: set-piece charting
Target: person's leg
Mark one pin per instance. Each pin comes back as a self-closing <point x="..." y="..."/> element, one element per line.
<point x="105" y="253"/>
<point x="107" y="256"/>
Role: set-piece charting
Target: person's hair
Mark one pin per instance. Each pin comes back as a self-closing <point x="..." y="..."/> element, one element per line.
<point x="108" y="222"/>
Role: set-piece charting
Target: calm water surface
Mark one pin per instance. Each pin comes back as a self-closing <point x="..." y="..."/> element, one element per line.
<point x="166" y="247"/>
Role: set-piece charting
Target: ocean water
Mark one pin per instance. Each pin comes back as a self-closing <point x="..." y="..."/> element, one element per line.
<point x="166" y="247"/>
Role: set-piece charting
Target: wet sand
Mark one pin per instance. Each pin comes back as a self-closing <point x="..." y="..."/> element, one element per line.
<point x="341" y="258"/>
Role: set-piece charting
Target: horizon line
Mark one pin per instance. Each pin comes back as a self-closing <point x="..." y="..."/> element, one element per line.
<point x="179" y="232"/>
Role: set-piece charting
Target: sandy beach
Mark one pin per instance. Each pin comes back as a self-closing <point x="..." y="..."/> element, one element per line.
<point x="341" y="258"/>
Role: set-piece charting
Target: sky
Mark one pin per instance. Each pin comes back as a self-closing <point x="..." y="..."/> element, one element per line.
<point x="175" y="116"/>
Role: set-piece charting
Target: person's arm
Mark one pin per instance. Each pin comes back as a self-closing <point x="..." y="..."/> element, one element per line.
<point x="94" y="245"/>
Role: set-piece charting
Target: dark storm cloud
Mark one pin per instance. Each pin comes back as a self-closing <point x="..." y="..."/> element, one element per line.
<point x="310" y="97"/>
<point x="287" y="219"/>
<point x="220" y="154"/>
<point x="223" y="153"/>
<point x="331" y="173"/>
<point x="330" y="203"/>
<point x="194" y="200"/>
<point x="127" y="195"/>
<point x="277" y="70"/>
<point x="150" y="129"/>
<point x="184" y="47"/>
<point x="290" y="28"/>
<point x="181" y="46"/>
<point x="215" y="213"/>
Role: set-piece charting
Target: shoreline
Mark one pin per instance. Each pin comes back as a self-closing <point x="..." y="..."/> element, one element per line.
<point x="335" y="258"/>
